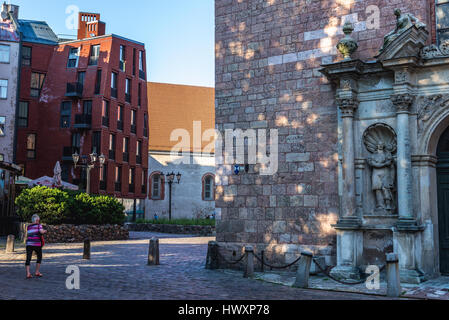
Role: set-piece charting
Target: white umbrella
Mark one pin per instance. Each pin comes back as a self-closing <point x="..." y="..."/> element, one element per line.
<point x="57" y="179"/>
<point x="49" y="182"/>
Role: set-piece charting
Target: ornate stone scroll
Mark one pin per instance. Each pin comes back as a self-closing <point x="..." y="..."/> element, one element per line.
<point x="434" y="51"/>
<point x="380" y="140"/>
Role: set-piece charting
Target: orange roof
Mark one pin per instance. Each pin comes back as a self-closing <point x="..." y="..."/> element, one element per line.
<point x="172" y="107"/>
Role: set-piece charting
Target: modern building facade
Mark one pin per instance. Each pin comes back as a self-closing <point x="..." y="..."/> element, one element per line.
<point x="9" y="75"/>
<point x="362" y="131"/>
<point x="180" y="119"/>
<point x="84" y="96"/>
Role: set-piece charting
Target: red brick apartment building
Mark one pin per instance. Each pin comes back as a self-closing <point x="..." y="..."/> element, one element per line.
<point x="85" y="95"/>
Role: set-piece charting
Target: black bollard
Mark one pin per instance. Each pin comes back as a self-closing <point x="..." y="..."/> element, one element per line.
<point x="153" y="252"/>
<point x="86" y="253"/>
<point x="10" y="244"/>
<point x="212" y="256"/>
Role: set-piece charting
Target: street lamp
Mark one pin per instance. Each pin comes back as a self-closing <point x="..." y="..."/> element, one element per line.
<point x="170" y="180"/>
<point x="88" y="165"/>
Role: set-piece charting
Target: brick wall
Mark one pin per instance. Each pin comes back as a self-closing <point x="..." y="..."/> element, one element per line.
<point x="268" y="56"/>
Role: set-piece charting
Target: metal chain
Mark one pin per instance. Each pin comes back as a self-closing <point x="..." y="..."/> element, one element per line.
<point x="276" y="267"/>
<point x="342" y="281"/>
<point x="229" y="262"/>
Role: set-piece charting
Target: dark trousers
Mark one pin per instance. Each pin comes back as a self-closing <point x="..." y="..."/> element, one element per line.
<point x="30" y="250"/>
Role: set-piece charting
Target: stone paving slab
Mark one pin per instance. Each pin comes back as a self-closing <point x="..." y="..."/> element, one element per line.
<point x="118" y="271"/>
<point x="436" y="289"/>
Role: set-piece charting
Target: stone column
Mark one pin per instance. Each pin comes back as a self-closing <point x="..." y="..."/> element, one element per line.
<point x="406" y="236"/>
<point x="349" y="236"/>
<point x="403" y="103"/>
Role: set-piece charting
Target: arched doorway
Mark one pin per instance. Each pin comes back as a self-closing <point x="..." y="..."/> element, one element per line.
<point x="443" y="200"/>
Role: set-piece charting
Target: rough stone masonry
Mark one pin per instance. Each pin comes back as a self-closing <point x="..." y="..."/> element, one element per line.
<point x="268" y="57"/>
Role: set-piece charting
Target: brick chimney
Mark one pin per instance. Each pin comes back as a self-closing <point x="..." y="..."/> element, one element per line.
<point x="13" y="10"/>
<point x="89" y="25"/>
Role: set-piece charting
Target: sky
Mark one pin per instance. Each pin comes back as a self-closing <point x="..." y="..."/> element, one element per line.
<point x="178" y="34"/>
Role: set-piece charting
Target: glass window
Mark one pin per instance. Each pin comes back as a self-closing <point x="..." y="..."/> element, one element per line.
<point x="141" y="56"/>
<point x="31" y="146"/>
<point x="131" y="179"/>
<point x="111" y="142"/>
<point x="66" y="113"/>
<point x="133" y="117"/>
<point x="4" y="53"/>
<point x="156" y="186"/>
<point x="94" y="55"/>
<point x="96" y="142"/>
<point x="105" y="109"/>
<point x="2" y="126"/>
<point x="128" y="86"/>
<point x="98" y="82"/>
<point x="26" y="56"/>
<point x="125" y="145"/>
<point x="37" y="82"/>
<point x="3" y="89"/>
<point x="118" y="174"/>
<point x="139" y="148"/>
<point x="104" y="173"/>
<point x="209" y="188"/>
<point x="120" y="113"/>
<point x="442" y="20"/>
<point x="23" y="114"/>
<point x="87" y="107"/>
<point x="73" y="58"/>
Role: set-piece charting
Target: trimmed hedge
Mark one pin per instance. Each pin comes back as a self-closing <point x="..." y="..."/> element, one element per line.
<point x="56" y="207"/>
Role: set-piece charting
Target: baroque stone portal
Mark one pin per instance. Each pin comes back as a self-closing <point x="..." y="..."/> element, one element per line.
<point x="380" y="141"/>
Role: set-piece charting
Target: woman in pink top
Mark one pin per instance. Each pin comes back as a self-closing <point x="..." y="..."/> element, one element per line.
<point x="34" y="244"/>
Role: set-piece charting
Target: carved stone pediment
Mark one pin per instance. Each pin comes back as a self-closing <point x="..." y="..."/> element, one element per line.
<point x="426" y="106"/>
<point x="433" y="51"/>
<point x="408" y="44"/>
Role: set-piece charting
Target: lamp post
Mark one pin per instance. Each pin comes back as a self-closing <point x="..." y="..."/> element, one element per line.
<point x="94" y="158"/>
<point x="170" y="180"/>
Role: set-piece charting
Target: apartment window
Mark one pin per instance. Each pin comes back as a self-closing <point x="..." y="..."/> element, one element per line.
<point x="132" y="179"/>
<point x="96" y="142"/>
<point x="4" y="53"/>
<point x="112" y="143"/>
<point x="81" y="77"/>
<point x="3" y="89"/>
<point x="98" y="82"/>
<point x="208" y="187"/>
<point x="118" y="179"/>
<point x="37" y="82"/>
<point x="133" y="121"/>
<point x="103" y="177"/>
<point x="125" y="149"/>
<point x="31" y="146"/>
<point x="105" y="113"/>
<point x="73" y="58"/>
<point x="2" y="126"/>
<point x="114" y="85"/>
<point x="76" y="143"/>
<point x="139" y="152"/>
<point x="122" y="58"/>
<point x="26" y="56"/>
<point x="144" y="182"/>
<point x="65" y="172"/>
<point x="66" y="113"/>
<point x="142" y="74"/>
<point x="145" y="125"/>
<point x="134" y="61"/>
<point x="139" y="95"/>
<point x="23" y="114"/>
<point x="94" y="55"/>
<point x="128" y="91"/>
<point x="87" y="107"/>
<point x="120" y="116"/>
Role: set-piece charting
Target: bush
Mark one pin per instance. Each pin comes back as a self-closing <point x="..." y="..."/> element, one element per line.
<point x="56" y="207"/>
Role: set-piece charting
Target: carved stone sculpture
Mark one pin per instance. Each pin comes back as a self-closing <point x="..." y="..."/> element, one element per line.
<point x="347" y="46"/>
<point x="380" y="141"/>
<point x="404" y="22"/>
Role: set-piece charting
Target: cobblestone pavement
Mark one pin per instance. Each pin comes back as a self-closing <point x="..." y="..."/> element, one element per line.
<point x="118" y="271"/>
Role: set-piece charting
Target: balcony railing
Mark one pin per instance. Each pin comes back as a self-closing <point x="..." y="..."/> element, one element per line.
<point x="120" y="125"/>
<point x="114" y="93"/>
<point x="125" y="157"/>
<point x="132" y="188"/>
<point x="68" y="152"/>
<point x="105" y="121"/>
<point x="83" y="121"/>
<point x="74" y="89"/>
<point x="118" y="187"/>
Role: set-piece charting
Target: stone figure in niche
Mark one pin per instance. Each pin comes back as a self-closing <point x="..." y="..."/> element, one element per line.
<point x="404" y="22"/>
<point x="380" y="141"/>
